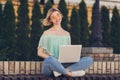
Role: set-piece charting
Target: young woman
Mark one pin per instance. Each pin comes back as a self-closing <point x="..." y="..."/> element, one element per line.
<point x="49" y="44"/>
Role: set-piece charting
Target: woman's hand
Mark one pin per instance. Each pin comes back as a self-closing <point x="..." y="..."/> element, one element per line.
<point x="42" y="54"/>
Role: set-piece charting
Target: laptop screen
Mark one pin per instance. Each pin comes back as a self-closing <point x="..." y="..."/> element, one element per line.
<point x="69" y="53"/>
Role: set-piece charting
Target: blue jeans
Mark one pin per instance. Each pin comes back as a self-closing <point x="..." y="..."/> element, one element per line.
<point x="51" y="64"/>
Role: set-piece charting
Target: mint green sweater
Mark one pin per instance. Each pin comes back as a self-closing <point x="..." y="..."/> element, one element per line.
<point x="52" y="43"/>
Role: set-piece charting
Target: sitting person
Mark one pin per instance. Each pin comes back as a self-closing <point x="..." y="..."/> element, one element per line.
<point x="48" y="48"/>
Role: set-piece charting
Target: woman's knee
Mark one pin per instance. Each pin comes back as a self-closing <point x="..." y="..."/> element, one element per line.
<point x="90" y="59"/>
<point x="87" y="60"/>
<point x="50" y="60"/>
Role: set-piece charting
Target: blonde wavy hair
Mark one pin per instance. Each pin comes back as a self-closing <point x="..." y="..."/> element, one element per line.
<point x="46" y="21"/>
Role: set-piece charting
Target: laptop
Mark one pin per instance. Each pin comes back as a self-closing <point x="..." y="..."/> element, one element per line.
<point x="69" y="53"/>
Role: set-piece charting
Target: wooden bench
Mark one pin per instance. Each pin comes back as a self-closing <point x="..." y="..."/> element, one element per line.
<point x="31" y="70"/>
<point x="34" y="67"/>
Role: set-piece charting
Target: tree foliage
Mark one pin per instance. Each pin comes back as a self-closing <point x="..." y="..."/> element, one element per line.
<point x="115" y="30"/>
<point x="62" y="7"/>
<point x="3" y="49"/>
<point x="36" y="29"/>
<point x="96" y="32"/>
<point x="10" y="26"/>
<point x="23" y="31"/>
<point x="75" y="27"/>
<point x="83" y="23"/>
<point x="47" y="6"/>
<point x="105" y="21"/>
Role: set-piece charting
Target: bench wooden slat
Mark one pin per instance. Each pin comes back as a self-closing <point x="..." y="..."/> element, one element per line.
<point x="32" y="67"/>
<point x="38" y="67"/>
<point x="27" y="67"/>
<point x="22" y="68"/>
<point x="17" y="67"/>
<point x="1" y="67"/>
<point x="11" y="67"/>
<point x="5" y="67"/>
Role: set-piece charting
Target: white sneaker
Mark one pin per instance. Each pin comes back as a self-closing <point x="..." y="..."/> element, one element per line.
<point x="56" y="74"/>
<point x="78" y="73"/>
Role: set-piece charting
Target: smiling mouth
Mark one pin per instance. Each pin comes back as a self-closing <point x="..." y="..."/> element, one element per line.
<point x="58" y="21"/>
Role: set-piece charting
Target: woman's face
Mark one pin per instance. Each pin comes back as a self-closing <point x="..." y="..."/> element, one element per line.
<point x="56" y="18"/>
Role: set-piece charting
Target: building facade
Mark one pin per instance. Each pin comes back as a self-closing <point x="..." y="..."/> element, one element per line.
<point x="110" y="4"/>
